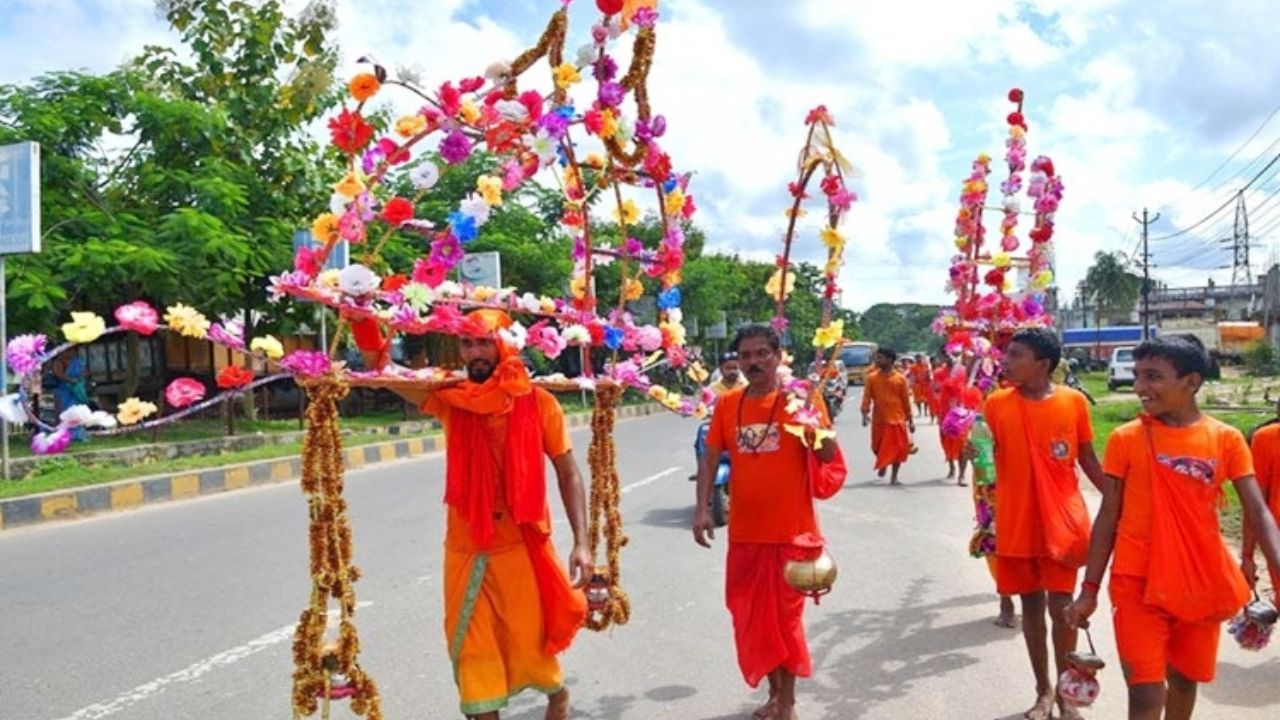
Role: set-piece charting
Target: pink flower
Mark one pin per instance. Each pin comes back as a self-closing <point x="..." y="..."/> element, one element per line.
<point x="428" y="273"/>
<point x="306" y="363"/>
<point x="24" y="353"/>
<point x="546" y="340"/>
<point x="51" y="443"/>
<point x="137" y="316"/>
<point x="307" y="261"/>
<point x="445" y="318"/>
<point x="649" y="338"/>
<point x="455" y="148"/>
<point x="231" y="335"/>
<point x="183" y="392"/>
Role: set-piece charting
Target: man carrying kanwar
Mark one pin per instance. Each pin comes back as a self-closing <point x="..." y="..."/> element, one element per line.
<point x="510" y="607"/>
<point x="776" y="475"/>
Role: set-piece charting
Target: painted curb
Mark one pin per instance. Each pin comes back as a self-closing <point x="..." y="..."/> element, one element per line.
<point x="129" y="494"/>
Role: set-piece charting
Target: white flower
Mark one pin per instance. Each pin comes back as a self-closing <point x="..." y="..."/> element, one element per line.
<point x="626" y="126"/>
<point x="542" y="145"/>
<point x="476" y="207"/>
<point x="615" y="27"/>
<point x="425" y="176"/>
<point x="515" y="336"/>
<point x="338" y="204"/>
<point x="587" y="55"/>
<point x="418" y="296"/>
<point x="11" y="410"/>
<point x="102" y="419"/>
<point x="75" y="416"/>
<point x="675" y="315"/>
<point x="530" y="303"/>
<point x="448" y="289"/>
<point x="512" y="110"/>
<point x="498" y="72"/>
<point x="357" y="280"/>
<point x="576" y="335"/>
<point x="1012" y="203"/>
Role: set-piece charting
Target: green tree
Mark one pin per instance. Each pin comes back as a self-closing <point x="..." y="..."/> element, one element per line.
<point x="1111" y="288"/>
<point x="904" y="327"/>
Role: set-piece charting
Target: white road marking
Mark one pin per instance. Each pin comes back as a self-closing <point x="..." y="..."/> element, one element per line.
<point x="651" y="478"/>
<point x="191" y="672"/>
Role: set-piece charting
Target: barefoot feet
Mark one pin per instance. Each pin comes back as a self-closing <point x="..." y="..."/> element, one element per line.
<point x="1042" y="710"/>
<point x="558" y="705"/>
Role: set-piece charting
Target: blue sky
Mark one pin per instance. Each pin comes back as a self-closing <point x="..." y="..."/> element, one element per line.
<point x="1136" y="102"/>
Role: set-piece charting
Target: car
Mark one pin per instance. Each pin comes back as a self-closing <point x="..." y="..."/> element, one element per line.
<point x="1120" y="372"/>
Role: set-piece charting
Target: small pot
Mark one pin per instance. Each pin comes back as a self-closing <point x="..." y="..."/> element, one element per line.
<point x="1261" y="612"/>
<point x="812" y="577"/>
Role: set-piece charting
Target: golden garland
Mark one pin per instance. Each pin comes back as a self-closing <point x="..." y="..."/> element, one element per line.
<point x="606" y="497"/>
<point x="550" y="45"/>
<point x="332" y="573"/>
<point x="636" y="80"/>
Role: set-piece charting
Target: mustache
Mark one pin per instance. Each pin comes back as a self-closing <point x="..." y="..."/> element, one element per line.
<point x="755" y="368"/>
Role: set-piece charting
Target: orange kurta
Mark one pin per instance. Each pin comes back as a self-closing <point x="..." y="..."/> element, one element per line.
<point x="921" y="382"/>
<point x="1169" y="552"/>
<point x="1266" y="464"/>
<point x="1040" y="514"/>
<point x="495" y="618"/>
<point x="887" y="397"/>
<point x="772" y="521"/>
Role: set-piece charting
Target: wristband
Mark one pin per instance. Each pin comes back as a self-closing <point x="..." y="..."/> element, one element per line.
<point x="1089" y="584"/>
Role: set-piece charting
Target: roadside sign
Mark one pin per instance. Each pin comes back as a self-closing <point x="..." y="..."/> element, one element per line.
<point x="20" y="198"/>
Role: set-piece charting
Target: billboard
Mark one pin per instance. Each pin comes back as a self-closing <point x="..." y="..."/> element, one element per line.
<point x="482" y="269"/>
<point x="20" y="198"/>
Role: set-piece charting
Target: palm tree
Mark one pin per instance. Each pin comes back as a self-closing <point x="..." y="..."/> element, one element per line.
<point x="1112" y="288"/>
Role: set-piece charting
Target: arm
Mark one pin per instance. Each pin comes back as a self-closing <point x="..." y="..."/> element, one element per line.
<point x="1100" y="548"/>
<point x="1259" y="525"/>
<point x="906" y="403"/>
<point x="708" y="464"/>
<point x="574" y="498"/>
<point x="866" y="401"/>
<point x="1092" y="467"/>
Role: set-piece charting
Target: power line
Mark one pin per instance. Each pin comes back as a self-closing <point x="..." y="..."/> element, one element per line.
<point x="1233" y="156"/>
<point x="1224" y="205"/>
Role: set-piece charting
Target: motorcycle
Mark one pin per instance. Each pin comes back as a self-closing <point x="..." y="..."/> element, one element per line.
<point x="719" y="503"/>
<point x="1073" y="381"/>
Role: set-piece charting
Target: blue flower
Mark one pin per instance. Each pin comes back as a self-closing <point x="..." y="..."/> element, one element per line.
<point x="670" y="184"/>
<point x="613" y="337"/>
<point x="463" y="226"/>
<point x="564" y="111"/>
<point x="669" y="299"/>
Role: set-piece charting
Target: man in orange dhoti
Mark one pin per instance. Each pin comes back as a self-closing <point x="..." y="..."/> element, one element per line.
<point x="773" y="519"/>
<point x="1042" y="432"/>
<point x="510" y="607"/>
<point x="891" y="423"/>
<point x="921" y="376"/>
<point x="1173" y="582"/>
<point x="1265" y="447"/>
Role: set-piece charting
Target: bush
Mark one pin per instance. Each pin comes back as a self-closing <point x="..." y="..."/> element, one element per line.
<point x="1260" y="358"/>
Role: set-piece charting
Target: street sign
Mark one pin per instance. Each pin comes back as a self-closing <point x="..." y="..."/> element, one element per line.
<point x="339" y="257"/>
<point x="20" y="198"/>
<point x="718" y="330"/>
<point x="483" y="269"/>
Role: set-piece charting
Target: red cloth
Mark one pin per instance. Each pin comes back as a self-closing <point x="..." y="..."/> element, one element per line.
<point x="768" y="614"/>
<point x="891" y="444"/>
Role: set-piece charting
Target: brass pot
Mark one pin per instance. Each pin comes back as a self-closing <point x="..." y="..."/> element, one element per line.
<point x="812" y="577"/>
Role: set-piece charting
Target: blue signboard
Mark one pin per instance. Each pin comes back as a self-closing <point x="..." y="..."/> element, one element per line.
<point x="338" y="258"/>
<point x="20" y="198"/>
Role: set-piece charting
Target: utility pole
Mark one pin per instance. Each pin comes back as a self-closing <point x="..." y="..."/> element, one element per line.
<point x="1146" y="272"/>
<point x="1241" y="272"/>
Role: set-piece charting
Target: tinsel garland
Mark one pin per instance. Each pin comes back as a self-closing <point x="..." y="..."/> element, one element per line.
<point x="606" y="497"/>
<point x="332" y="572"/>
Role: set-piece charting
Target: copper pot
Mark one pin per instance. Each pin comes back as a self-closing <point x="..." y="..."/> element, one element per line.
<point x="812" y="577"/>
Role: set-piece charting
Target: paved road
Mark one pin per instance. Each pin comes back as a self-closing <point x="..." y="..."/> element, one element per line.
<point x="185" y="611"/>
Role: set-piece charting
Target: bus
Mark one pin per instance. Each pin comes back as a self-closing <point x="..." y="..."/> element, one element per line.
<point x="856" y="356"/>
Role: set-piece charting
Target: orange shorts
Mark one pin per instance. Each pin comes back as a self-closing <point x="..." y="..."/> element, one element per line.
<point x="1021" y="576"/>
<point x="1149" y="640"/>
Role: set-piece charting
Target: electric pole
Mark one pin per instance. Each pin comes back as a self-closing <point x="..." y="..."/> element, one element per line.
<point x="1146" y="272"/>
<point x="1241" y="271"/>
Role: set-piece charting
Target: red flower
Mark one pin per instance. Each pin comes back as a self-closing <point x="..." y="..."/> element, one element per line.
<point x="234" y="376"/>
<point x="593" y="121"/>
<point x="502" y="138"/>
<point x="397" y="211"/>
<point x="819" y="113"/>
<point x="994" y="278"/>
<point x="689" y="207"/>
<point x="610" y="7"/>
<point x="532" y="102"/>
<point x="657" y="164"/>
<point x="307" y="260"/>
<point x="1015" y="95"/>
<point x="349" y="132"/>
<point x="831" y="184"/>
<point x="450" y="99"/>
<point x="797" y="191"/>
<point x="471" y="84"/>
<point x="597" y="333"/>
<point x="1016" y="118"/>
<point x="391" y="283"/>
<point x="1041" y="233"/>
<point x="394" y="153"/>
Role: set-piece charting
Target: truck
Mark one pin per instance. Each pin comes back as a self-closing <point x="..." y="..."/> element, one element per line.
<point x="1225" y="341"/>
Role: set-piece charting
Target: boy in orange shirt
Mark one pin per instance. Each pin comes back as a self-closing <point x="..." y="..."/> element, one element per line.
<point x="1042" y="432"/>
<point x="1173" y="582"/>
<point x="1265" y="446"/>
<point x="891" y="424"/>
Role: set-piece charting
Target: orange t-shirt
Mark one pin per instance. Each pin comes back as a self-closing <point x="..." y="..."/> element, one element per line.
<point x="1266" y="463"/>
<point x="555" y="442"/>
<point x="1208" y="450"/>
<point x="768" y="466"/>
<point x="891" y="396"/>
<point x="1057" y="424"/>
<point x="919" y="375"/>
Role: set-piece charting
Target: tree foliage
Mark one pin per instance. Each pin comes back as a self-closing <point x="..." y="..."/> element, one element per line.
<point x="1112" y="290"/>
<point x="903" y="327"/>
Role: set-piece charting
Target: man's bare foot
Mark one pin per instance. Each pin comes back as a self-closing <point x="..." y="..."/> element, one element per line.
<point x="558" y="705"/>
<point x="767" y="711"/>
<point x="880" y="473"/>
<point x="1006" y="619"/>
<point x="961" y="483"/>
<point x="951" y="472"/>
<point x="1067" y="711"/>
<point x="894" y="480"/>
<point x="1042" y="710"/>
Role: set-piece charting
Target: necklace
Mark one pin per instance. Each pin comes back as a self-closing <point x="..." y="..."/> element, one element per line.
<point x="768" y="428"/>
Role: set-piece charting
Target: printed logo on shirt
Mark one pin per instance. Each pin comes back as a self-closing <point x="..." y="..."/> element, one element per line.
<point x="1195" y="468"/>
<point x="1060" y="449"/>
<point x="752" y="438"/>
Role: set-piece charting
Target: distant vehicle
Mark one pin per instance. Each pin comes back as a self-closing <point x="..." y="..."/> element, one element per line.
<point x="1120" y="372"/>
<point x="856" y="356"/>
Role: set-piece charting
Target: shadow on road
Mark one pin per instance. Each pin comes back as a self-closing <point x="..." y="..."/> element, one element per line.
<point x="1245" y="687"/>
<point x="892" y="650"/>
<point x="669" y="517"/>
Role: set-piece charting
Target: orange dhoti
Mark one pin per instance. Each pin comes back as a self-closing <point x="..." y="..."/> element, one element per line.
<point x="498" y="604"/>
<point x="768" y="614"/>
<point x="953" y="447"/>
<point x="891" y="444"/>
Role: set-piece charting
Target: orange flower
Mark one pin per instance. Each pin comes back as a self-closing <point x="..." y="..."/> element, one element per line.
<point x="325" y="228"/>
<point x="364" y="86"/>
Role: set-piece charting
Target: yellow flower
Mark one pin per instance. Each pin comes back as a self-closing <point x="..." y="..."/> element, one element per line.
<point x="594" y="160"/>
<point x="364" y="86"/>
<point x="832" y="238"/>
<point x="268" y="346"/>
<point x="827" y="337"/>
<point x="1002" y="261"/>
<point x="983" y="158"/>
<point x="628" y="214"/>
<point x="774" y="286"/>
<point x="468" y="112"/>
<point x="962" y="243"/>
<point x="675" y="331"/>
<point x="547" y="305"/>
<point x="657" y="392"/>
<point x="329" y="278"/>
<point x="698" y="373"/>
<point x="634" y="289"/>
<point x="799" y="213"/>
<point x="675" y="202"/>
<point x="187" y="320"/>
<point x="1042" y="280"/>
<point x="490" y="189"/>
<point x="482" y="293"/>
<point x="133" y="411"/>
<point x="349" y="187"/>
<point x="578" y="286"/>
<point x="700" y="412"/>
<point x="672" y="278"/>
<point x="325" y="228"/>
<point x="608" y="124"/>
<point x="85" y="327"/>
<point x="566" y="74"/>
<point x="410" y="125"/>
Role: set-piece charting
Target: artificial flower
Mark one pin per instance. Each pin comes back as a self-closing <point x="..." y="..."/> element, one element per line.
<point x="24" y="353"/>
<point x="12" y="411"/>
<point x="475" y="206"/>
<point x="410" y="125"/>
<point x="349" y="186"/>
<point x="516" y="336"/>
<point x="425" y="176"/>
<point x="578" y="286"/>
<point x="774" y="286"/>
<point x="357" y="280"/>
<point x="230" y="335"/>
<point x="463" y="226"/>
<point x="469" y="112"/>
<point x="832" y="238"/>
<point x="576" y="335"/>
<point x="306" y="363"/>
<point x="490" y="189"/>
<point x="85" y="327"/>
<point x="397" y="211"/>
<point x="543" y="145"/>
<point x="609" y="124"/>
<point x="633" y="290"/>
<point x="50" y="443"/>
<point x="137" y="316"/>
<point x="364" y="86"/>
<point x="566" y="75"/>
<point x="628" y="214"/>
<point x="183" y="392"/>
<point x="325" y="228"/>
<point x="455" y="148"/>
<point x="827" y="337"/>
<point x="133" y="411"/>
<point x="187" y="321"/>
<point x="349" y="132"/>
<point x="268" y="345"/>
<point x="417" y="295"/>
<point x="234" y="376"/>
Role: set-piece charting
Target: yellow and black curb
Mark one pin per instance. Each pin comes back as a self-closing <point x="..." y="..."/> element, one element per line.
<point x="135" y="493"/>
